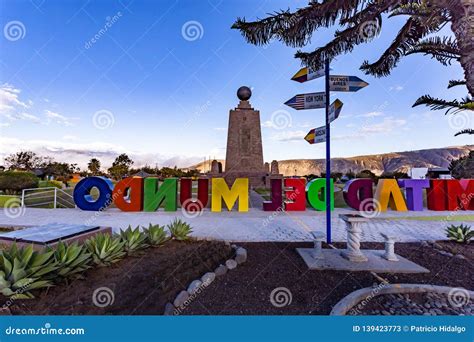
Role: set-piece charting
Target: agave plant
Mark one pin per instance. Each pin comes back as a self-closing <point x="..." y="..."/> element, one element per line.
<point x="461" y="234"/>
<point x="133" y="240"/>
<point x="179" y="230"/>
<point x="156" y="235"/>
<point x="23" y="270"/>
<point x="105" y="249"/>
<point x="72" y="259"/>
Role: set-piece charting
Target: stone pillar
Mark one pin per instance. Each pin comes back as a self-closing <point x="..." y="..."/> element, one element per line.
<point x="274" y="168"/>
<point x="354" y="231"/>
<point x="389" y="247"/>
<point x="317" y="252"/>
<point x="267" y="167"/>
<point x="215" y="166"/>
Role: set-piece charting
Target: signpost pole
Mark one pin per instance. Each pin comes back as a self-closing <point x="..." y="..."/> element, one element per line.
<point x="328" y="158"/>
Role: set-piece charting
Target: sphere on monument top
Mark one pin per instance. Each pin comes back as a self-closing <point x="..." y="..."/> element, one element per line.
<point x="244" y="93"/>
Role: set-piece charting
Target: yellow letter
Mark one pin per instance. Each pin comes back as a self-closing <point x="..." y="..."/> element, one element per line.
<point x="220" y="191"/>
<point x="388" y="194"/>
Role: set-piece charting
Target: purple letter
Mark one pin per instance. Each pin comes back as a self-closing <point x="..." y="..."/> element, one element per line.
<point x="414" y="192"/>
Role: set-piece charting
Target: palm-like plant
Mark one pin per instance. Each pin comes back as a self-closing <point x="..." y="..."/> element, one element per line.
<point x="23" y="270"/>
<point x="361" y="21"/>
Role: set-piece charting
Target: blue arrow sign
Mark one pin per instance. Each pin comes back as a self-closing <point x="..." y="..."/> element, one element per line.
<point x="346" y="83"/>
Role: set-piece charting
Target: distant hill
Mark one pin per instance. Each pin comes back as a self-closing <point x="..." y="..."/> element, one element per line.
<point x="377" y="163"/>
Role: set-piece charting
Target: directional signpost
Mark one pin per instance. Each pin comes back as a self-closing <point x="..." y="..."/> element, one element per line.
<point x="316" y="135"/>
<point x="321" y="100"/>
<point x="307" y="74"/>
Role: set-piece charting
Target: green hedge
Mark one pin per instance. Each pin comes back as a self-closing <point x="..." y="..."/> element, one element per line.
<point x="12" y="182"/>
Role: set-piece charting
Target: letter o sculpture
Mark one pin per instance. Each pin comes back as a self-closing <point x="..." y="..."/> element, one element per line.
<point x="83" y="198"/>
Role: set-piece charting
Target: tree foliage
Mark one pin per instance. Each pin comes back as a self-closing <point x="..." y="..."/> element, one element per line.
<point x="360" y="21"/>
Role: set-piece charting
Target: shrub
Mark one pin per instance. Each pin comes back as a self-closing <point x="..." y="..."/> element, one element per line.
<point x="179" y="230"/>
<point x="12" y="182"/>
<point x="133" y="240"/>
<point x="23" y="270"/>
<point x="156" y="235"/>
<point x="460" y="234"/>
<point x="105" y="249"/>
<point x="71" y="259"/>
<point x="51" y="184"/>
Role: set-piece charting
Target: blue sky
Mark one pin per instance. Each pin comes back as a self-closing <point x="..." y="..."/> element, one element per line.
<point x="149" y="88"/>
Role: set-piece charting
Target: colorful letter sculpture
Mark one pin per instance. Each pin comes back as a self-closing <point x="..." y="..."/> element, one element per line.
<point x="296" y="195"/>
<point x="82" y="193"/>
<point x="276" y="204"/>
<point x="388" y="193"/>
<point x="221" y="192"/>
<point x="128" y="194"/>
<point x="356" y="191"/>
<point x="290" y="194"/>
<point x="316" y="193"/>
<point x="414" y="192"/>
<point x="185" y="195"/>
<point x="156" y="195"/>
<point x="459" y="196"/>
<point x="436" y="195"/>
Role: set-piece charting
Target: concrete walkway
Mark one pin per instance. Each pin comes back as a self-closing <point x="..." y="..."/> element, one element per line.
<point x="255" y="225"/>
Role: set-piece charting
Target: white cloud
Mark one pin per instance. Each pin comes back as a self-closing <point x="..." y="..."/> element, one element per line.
<point x="396" y="88"/>
<point x="289" y="136"/>
<point x="386" y="126"/>
<point x="370" y="115"/>
<point x="81" y="153"/>
<point x="58" y="118"/>
<point x="12" y="108"/>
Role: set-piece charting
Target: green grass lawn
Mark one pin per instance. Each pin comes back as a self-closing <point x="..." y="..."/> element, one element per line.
<point x="5" y="198"/>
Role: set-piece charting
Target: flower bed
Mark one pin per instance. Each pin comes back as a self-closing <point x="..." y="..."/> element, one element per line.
<point x="119" y="274"/>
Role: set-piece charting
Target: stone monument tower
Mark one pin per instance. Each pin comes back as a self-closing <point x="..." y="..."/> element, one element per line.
<point x="244" y="155"/>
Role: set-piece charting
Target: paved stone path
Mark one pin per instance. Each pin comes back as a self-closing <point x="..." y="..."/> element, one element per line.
<point x="256" y="225"/>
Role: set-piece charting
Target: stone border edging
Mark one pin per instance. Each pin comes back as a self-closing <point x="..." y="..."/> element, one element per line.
<point x="185" y="297"/>
<point x="354" y="298"/>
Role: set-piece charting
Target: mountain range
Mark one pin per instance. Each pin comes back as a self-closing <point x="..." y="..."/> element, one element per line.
<point x="377" y="163"/>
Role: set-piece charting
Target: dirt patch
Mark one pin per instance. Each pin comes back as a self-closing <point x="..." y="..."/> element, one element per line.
<point x="247" y="290"/>
<point x="140" y="285"/>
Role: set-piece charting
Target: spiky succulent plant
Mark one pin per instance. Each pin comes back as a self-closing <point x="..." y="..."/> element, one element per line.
<point x="133" y="240"/>
<point x="156" y="235"/>
<point x="72" y="259"/>
<point x="460" y="234"/>
<point x="179" y="230"/>
<point x="23" y="270"/>
<point x="105" y="249"/>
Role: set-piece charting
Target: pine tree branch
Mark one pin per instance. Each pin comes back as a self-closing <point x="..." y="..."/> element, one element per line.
<point x="465" y="131"/>
<point x="443" y="49"/>
<point x="408" y="36"/>
<point x="295" y="29"/>
<point x="454" y="83"/>
<point x="437" y="104"/>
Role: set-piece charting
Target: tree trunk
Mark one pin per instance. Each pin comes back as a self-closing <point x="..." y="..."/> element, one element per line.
<point x="463" y="29"/>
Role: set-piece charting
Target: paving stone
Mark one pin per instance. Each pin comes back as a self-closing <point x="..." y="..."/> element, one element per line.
<point x="221" y="270"/>
<point x="208" y="278"/>
<point x="231" y="264"/>
<point x="181" y="298"/>
<point x="194" y="286"/>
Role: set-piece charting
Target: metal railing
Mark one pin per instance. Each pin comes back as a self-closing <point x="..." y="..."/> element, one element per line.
<point x="46" y="197"/>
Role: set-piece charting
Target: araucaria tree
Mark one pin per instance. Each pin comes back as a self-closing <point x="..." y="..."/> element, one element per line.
<point x="361" y="21"/>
